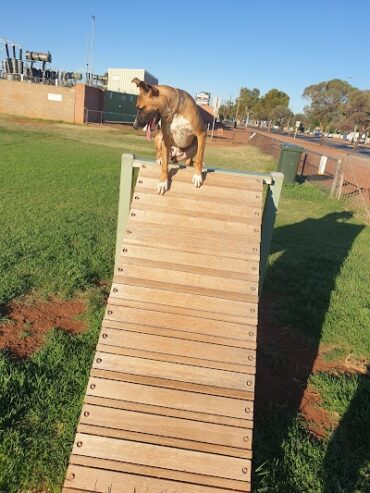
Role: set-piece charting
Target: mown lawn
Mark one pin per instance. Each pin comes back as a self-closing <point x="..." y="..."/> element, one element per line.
<point x="318" y="284"/>
<point x="59" y="192"/>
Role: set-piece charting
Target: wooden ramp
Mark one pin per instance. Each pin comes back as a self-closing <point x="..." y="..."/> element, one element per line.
<point x="169" y="402"/>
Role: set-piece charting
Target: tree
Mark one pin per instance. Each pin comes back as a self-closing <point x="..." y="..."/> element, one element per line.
<point x="272" y="99"/>
<point x="327" y="101"/>
<point x="247" y="100"/>
<point x="227" y="110"/>
<point x="356" y="112"/>
<point x="281" y="115"/>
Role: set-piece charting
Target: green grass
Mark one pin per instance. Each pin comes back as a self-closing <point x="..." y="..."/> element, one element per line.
<point x="40" y="401"/>
<point x="58" y="218"/>
<point x="60" y="205"/>
<point x="319" y="270"/>
<point x="318" y="281"/>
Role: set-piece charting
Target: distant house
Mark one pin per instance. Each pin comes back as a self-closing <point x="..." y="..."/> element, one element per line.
<point x="203" y="98"/>
<point x="119" y="79"/>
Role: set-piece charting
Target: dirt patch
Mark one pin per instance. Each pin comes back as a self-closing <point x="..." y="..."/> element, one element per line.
<point x="318" y="419"/>
<point x="228" y="137"/>
<point x="285" y="361"/>
<point x="24" y="327"/>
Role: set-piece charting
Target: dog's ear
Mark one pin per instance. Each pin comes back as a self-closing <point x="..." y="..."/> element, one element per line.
<point x="144" y="87"/>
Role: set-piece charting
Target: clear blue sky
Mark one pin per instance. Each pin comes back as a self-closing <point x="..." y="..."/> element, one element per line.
<point x="204" y="45"/>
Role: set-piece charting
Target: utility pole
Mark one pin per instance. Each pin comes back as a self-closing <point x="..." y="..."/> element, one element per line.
<point x="90" y="53"/>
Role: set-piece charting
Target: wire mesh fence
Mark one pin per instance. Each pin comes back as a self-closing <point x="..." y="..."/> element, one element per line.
<point x="345" y="178"/>
<point x="97" y="116"/>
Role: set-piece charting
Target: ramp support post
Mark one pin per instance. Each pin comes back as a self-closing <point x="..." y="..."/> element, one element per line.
<point x="124" y="201"/>
<point x="268" y="221"/>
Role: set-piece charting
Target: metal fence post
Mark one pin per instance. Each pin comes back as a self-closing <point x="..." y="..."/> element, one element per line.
<point x="268" y="221"/>
<point x="124" y="201"/>
<point x="334" y="185"/>
<point x="341" y="177"/>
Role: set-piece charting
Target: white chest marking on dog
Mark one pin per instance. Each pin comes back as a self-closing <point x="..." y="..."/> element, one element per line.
<point x="182" y="132"/>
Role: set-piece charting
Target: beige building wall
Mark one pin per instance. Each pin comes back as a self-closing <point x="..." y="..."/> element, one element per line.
<point x="37" y="100"/>
<point x="119" y="79"/>
<point x="67" y="104"/>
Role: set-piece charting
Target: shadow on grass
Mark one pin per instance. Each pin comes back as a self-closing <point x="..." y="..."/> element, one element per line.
<point x="349" y="448"/>
<point x="297" y="294"/>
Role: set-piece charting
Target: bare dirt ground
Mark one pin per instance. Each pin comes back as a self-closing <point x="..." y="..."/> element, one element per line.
<point x="285" y="361"/>
<point x="25" y="327"/>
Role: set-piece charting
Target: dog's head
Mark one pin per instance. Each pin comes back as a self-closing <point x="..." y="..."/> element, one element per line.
<point x="147" y="105"/>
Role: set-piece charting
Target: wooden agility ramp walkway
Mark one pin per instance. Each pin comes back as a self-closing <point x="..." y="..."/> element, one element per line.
<point x="169" y="402"/>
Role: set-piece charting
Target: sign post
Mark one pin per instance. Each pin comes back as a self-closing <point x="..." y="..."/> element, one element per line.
<point x="297" y="125"/>
<point x="216" y="107"/>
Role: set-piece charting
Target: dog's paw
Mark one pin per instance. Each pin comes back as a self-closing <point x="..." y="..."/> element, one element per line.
<point x="159" y="160"/>
<point x="162" y="187"/>
<point x="197" y="180"/>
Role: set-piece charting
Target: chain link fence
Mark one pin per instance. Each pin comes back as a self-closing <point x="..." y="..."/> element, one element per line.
<point x="97" y="116"/>
<point x="345" y="178"/>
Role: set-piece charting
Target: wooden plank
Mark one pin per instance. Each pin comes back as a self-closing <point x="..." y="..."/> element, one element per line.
<point x="224" y="180"/>
<point x="173" y="371"/>
<point x="123" y="281"/>
<point x="180" y="443"/>
<point x="156" y="472"/>
<point x="146" y="353"/>
<point x="175" y="413"/>
<point x="194" y="402"/>
<point x="174" y="346"/>
<point x="186" y="279"/>
<point x="176" y="260"/>
<point x="199" y="303"/>
<point x="254" y="216"/>
<point x="82" y="479"/>
<point x="202" y="326"/>
<point x="178" y="310"/>
<point x="227" y="436"/>
<point x="146" y="234"/>
<point x="240" y="181"/>
<point x="172" y="384"/>
<point x="241" y="196"/>
<point x="148" y="198"/>
<point x="162" y="457"/>
<point x="191" y="223"/>
<point x="181" y="335"/>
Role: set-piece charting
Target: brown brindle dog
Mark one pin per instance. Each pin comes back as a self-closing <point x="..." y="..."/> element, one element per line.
<point x="183" y="135"/>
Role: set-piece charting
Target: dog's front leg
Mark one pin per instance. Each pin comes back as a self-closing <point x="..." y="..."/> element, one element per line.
<point x="197" y="177"/>
<point x="158" y="140"/>
<point x="163" y="182"/>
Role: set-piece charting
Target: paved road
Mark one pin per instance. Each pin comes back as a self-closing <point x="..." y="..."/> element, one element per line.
<point x="342" y="146"/>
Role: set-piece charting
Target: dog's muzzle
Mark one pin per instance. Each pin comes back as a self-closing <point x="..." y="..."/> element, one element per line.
<point x="143" y="119"/>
